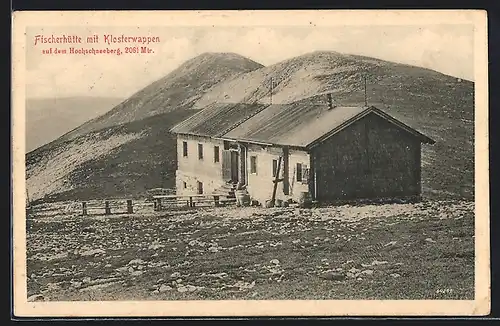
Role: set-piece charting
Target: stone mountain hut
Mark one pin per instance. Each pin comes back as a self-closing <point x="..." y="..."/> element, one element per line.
<point x="332" y="153"/>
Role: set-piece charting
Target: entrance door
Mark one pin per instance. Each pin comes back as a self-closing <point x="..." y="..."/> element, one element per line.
<point x="234" y="166"/>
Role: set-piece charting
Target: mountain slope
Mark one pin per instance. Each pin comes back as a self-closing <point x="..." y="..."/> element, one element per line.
<point x="129" y="149"/>
<point x="177" y="90"/>
<point x="48" y="119"/>
<point x="438" y="105"/>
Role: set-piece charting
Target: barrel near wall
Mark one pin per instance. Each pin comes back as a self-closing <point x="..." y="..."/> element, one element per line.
<point x="305" y="200"/>
<point x="242" y="198"/>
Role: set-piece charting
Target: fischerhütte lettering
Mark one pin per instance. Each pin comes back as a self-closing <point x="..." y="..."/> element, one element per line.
<point x="62" y="39"/>
<point x="109" y="39"/>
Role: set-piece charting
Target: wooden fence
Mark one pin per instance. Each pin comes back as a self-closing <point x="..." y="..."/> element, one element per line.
<point x="129" y="206"/>
<point x="117" y="207"/>
<point x="164" y="201"/>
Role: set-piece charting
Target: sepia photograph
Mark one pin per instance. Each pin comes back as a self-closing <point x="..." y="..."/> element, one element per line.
<point x="252" y="163"/>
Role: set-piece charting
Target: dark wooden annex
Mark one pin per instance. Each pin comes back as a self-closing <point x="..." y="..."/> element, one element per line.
<point x="374" y="156"/>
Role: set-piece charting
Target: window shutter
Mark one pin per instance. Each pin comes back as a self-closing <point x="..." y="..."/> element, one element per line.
<point x="305" y="174"/>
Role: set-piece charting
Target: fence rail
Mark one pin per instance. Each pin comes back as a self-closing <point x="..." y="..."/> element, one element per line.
<point x="129" y="206"/>
<point x="162" y="201"/>
<point x="107" y="207"/>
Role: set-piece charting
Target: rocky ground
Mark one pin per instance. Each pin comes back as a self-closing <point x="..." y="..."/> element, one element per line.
<point x="396" y="251"/>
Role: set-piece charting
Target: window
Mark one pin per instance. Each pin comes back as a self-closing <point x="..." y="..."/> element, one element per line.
<point x="275" y="168"/>
<point x="253" y="164"/>
<point x="200" y="188"/>
<point x="305" y="175"/>
<point x="216" y="154"/>
<point x="184" y="149"/>
<point x="299" y="172"/>
<point x="184" y="184"/>
<point x="200" y="151"/>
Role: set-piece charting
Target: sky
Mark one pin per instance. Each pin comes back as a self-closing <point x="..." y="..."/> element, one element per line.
<point x="444" y="48"/>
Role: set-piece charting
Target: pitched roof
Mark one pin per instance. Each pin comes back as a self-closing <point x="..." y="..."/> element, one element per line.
<point x="217" y="118"/>
<point x="291" y="124"/>
<point x="304" y="126"/>
<point x="294" y="124"/>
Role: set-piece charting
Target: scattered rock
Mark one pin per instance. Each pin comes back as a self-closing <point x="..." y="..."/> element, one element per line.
<point x="36" y="297"/>
<point x="136" y="273"/>
<point x="160" y="281"/>
<point x="395" y="275"/>
<point x="430" y="240"/>
<point x="136" y="262"/>
<point x="354" y="270"/>
<point x="175" y="274"/>
<point x="92" y="252"/>
<point x="213" y="249"/>
<point x="122" y="269"/>
<point x="241" y="285"/>
<point x="367" y="272"/>
<point x="333" y="276"/>
<point x="275" y="262"/>
<point x="155" y="246"/>
<point x="219" y="275"/>
<point x="76" y="285"/>
<point x="97" y="286"/>
<point x="164" y="288"/>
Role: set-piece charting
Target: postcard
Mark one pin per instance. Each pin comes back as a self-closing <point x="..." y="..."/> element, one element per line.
<point x="250" y="163"/>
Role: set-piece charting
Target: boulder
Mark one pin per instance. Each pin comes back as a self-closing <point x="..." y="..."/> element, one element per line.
<point x="164" y="288"/>
<point x="333" y="276"/>
<point x="36" y="297"/>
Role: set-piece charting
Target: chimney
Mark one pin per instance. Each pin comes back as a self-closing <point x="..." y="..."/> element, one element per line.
<point x="330" y="102"/>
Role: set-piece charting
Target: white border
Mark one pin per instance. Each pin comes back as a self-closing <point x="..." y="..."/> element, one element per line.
<point x="479" y="306"/>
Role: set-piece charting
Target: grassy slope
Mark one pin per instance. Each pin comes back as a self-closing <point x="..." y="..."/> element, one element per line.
<point x="438" y="105"/>
<point x="179" y="89"/>
<point x="257" y="253"/>
<point x="435" y="104"/>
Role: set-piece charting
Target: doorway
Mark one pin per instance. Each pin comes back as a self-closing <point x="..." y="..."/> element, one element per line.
<point x="234" y="166"/>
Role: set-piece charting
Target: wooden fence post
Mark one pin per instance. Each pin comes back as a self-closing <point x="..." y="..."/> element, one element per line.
<point x="130" y="208"/>
<point x="84" y="208"/>
<point x="158" y="204"/>
<point x="190" y="201"/>
<point x="107" y="209"/>
<point x="216" y="200"/>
